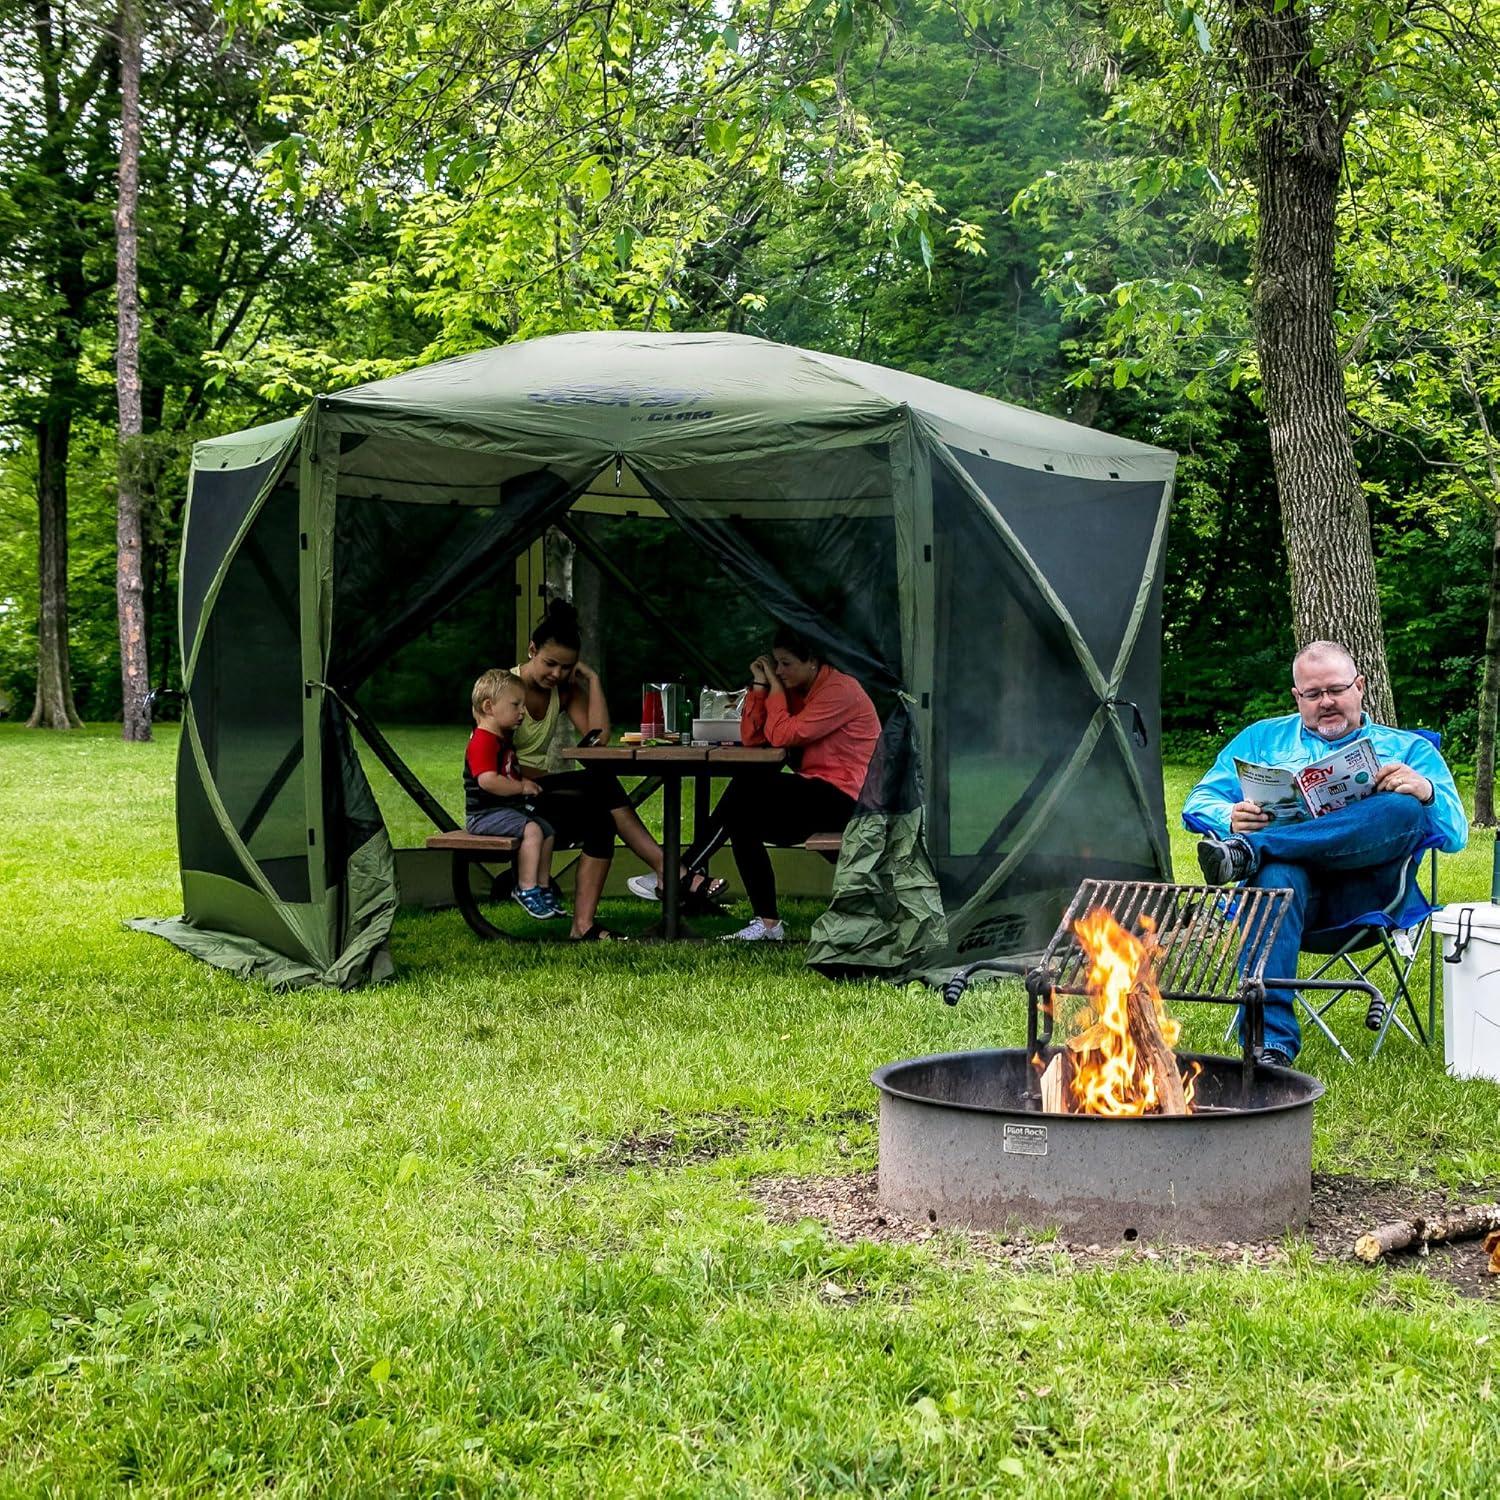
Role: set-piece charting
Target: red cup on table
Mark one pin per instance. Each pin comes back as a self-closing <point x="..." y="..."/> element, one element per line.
<point x="652" y="726"/>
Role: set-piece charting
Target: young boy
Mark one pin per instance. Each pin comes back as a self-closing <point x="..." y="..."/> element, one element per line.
<point x="497" y="798"/>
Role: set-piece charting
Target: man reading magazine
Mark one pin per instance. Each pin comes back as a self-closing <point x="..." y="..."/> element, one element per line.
<point x="1340" y="844"/>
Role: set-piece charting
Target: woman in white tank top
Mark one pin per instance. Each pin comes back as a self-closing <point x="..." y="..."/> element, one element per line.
<point x="587" y="807"/>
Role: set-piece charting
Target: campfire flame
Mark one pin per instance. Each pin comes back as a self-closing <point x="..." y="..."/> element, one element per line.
<point x="1112" y="1071"/>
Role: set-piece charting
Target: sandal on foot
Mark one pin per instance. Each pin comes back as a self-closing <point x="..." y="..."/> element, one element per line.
<point x="706" y="895"/>
<point x="599" y="933"/>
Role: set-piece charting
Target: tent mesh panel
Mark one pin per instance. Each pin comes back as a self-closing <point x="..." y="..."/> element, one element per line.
<point x="246" y="695"/>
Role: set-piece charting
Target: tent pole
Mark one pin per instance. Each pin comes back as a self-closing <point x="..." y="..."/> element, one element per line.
<point x="403" y="774"/>
<point x="617" y="575"/>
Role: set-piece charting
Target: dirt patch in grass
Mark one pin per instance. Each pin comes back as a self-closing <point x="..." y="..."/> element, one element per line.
<point x="703" y="1138"/>
<point x="1342" y="1209"/>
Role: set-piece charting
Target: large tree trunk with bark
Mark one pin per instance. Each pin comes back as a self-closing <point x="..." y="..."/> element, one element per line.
<point x="54" y="678"/>
<point x="130" y="587"/>
<point x="1325" y="519"/>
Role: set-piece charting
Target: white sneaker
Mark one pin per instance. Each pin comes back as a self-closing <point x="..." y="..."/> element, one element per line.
<point x="643" y="886"/>
<point x="758" y="932"/>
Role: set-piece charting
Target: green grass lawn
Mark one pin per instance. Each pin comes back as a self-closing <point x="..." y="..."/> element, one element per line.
<point x="377" y="1242"/>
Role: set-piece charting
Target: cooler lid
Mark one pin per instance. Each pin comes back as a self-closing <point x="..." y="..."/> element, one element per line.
<point x="1484" y="916"/>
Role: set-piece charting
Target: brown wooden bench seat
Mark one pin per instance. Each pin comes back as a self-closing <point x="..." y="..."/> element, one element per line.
<point x="469" y="849"/>
<point x="825" y="843"/>
<point x="476" y="843"/>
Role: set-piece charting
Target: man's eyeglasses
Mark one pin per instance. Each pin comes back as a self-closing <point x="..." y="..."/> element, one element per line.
<point x="1311" y="695"/>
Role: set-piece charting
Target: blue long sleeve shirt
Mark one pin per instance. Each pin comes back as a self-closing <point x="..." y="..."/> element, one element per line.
<point x="1286" y="743"/>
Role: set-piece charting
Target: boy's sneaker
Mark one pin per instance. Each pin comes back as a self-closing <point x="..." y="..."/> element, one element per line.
<point x="643" y="886"/>
<point x="758" y="932"/>
<point x="1225" y="861"/>
<point x="554" y="901"/>
<point x="535" y="902"/>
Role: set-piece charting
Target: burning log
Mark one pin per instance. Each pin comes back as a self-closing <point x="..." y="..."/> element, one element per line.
<point x="1466" y="1224"/>
<point x="1121" y="1061"/>
<point x="1055" y="1079"/>
<point x="1157" y="1057"/>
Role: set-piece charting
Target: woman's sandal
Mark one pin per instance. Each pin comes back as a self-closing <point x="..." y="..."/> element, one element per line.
<point x="705" y="895"/>
<point x="599" y="933"/>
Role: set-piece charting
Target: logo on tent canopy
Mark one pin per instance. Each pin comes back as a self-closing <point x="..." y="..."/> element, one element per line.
<point x="651" y="402"/>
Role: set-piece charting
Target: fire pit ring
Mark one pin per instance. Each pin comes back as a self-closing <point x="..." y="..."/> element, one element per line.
<point x="959" y="1146"/>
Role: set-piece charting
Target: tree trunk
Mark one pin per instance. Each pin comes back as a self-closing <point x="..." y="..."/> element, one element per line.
<point x="1324" y="516"/>
<point x="130" y="584"/>
<point x="1489" y="695"/>
<point x="54" y="677"/>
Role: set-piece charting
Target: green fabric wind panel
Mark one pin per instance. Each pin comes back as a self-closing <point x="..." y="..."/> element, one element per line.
<point x="246" y="696"/>
<point x="1141" y="685"/>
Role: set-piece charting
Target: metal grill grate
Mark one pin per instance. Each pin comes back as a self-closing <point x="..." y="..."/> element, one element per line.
<point x="1214" y="940"/>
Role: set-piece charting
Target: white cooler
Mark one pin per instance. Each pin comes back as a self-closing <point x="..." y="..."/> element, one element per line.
<point x="1471" y="988"/>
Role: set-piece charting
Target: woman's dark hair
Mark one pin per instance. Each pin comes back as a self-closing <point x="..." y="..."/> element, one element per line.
<point x="559" y="624"/>
<point x="803" y="647"/>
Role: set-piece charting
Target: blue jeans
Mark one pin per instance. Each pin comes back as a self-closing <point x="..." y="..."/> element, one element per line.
<point x="1339" y="867"/>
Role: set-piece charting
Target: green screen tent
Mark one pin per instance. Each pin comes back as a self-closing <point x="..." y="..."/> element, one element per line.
<point x="992" y="575"/>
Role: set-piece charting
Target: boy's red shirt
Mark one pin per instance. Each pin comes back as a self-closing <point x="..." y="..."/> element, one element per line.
<point x="488" y="752"/>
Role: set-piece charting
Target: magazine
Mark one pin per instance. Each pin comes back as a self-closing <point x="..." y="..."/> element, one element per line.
<point x="1323" y="787"/>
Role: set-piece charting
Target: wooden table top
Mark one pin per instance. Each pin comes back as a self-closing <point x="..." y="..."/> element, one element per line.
<point x="687" y="757"/>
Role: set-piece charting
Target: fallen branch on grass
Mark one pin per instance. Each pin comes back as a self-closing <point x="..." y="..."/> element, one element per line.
<point x="1466" y="1224"/>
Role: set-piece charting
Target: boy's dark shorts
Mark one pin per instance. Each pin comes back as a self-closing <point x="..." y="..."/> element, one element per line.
<point x="507" y="822"/>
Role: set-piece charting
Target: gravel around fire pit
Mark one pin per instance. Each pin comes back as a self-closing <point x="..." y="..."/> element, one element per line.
<point x="1342" y="1209"/>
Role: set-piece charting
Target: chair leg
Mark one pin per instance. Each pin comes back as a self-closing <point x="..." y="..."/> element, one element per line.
<point x="1401" y="968"/>
<point x="1316" y="1017"/>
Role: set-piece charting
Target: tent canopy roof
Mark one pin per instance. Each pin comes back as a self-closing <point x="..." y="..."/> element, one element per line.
<point x="682" y="398"/>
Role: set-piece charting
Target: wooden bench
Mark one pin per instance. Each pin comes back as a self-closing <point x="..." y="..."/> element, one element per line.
<point x="471" y="849"/>
<point x="826" y="844"/>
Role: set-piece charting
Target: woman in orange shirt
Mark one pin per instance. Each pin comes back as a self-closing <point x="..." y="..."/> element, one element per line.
<point x="825" y="721"/>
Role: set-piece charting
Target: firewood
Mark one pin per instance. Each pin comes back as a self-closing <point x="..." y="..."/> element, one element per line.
<point x="1055" y="1080"/>
<point x="1492" y="1249"/>
<point x="1145" y="1028"/>
<point x="1466" y="1224"/>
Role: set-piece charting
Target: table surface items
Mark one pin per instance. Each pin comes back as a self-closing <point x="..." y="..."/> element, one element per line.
<point x="686" y="756"/>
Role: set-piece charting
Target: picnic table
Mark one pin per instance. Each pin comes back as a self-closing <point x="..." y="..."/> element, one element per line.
<point x="676" y="764"/>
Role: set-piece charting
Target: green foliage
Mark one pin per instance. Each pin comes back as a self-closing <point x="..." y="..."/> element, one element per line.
<point x="546" y="169"/>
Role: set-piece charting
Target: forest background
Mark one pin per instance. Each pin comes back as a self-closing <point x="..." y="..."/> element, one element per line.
<point x="1056" y="208"/>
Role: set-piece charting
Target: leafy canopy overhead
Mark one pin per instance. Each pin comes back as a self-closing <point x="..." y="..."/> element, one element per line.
<point x="548" y="167"/>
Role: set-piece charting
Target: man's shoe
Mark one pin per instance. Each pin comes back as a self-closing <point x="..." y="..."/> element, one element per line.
<point x="1272" y="1057"/>
<point x="644" y="886"/>
<point x="1224" y="861"/>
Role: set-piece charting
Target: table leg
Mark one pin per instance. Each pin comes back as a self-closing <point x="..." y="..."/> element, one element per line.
<point x="671" y="847"/>
<point x="702" y="787"/>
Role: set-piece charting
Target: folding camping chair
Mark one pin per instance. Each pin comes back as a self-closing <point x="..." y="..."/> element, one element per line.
<point x="1355" y="952"/>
